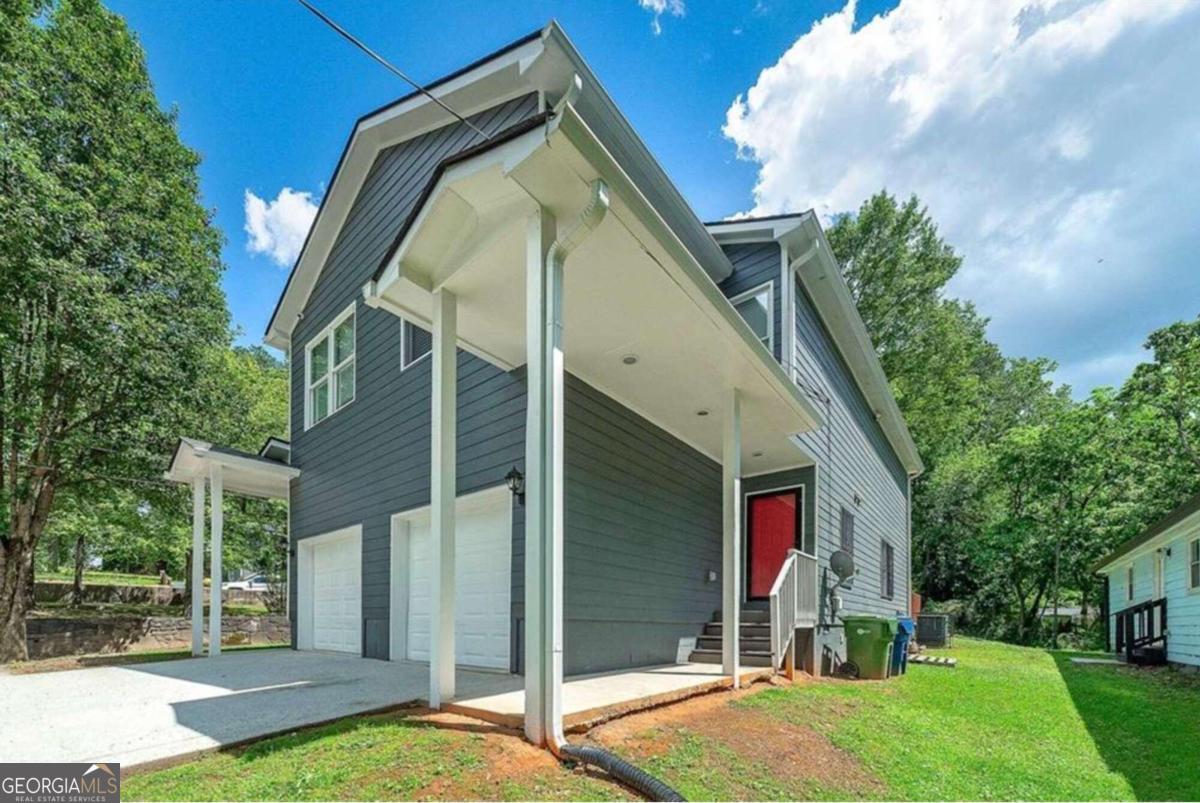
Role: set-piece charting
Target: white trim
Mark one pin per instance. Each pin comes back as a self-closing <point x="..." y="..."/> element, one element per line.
<point x="769" y="288"/>
<point x="443" y="497"/>
<point x="217" y="524"/>
<point x="406" y="326"/>
<point x="787" y="322"/>
<point x="330" y="376"/>
<point x="731" y="536"/>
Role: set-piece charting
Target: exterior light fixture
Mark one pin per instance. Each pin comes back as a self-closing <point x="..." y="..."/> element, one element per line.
<point x="630" y="359"/>
<point x="516" y="483"/>
<point x="759" y="453"/>
<point x="702" y="413"/>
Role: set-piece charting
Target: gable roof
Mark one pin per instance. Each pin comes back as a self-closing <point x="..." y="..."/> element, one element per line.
<point x="543" y="62"/>
<point x="1188" y="512"/>
<point x="823" y="279"/>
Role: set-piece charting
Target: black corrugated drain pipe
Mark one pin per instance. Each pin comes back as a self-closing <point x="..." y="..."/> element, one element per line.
<point x="622" y="770"/>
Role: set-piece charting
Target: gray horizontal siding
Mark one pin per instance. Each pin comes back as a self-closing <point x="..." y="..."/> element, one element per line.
<point x="643" y="529"/>
<point x="853" y="457"/>
<point x="371" y="459"/>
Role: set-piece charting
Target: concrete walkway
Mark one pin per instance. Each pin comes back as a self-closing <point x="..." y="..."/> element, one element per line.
<point x="152" y="712"/>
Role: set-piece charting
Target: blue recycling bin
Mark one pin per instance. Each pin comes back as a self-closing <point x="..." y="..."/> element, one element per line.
<point x="904" y="631"/>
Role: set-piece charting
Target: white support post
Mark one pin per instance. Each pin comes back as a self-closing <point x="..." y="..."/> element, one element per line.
<point x="731" y="504"/>
<point x="442" y="496"/>
<point x="216" y="482"/>
<point x="197" y="565"/>
<point x="543" y="484"/>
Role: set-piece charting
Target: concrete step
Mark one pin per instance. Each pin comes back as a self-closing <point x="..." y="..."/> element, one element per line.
<point x="749" y="617"/>
<point x="745" y="644"/>
<point x="744" y="629"/>
<point x="705" y="656"/>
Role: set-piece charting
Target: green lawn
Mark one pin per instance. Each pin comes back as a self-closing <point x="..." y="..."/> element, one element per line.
<point x="1008" y="723"/>
<point x="102" y="578"/>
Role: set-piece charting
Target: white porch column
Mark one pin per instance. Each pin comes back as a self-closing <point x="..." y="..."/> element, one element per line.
<point x="197" y="565"/>
<point x="442" y="495"/>
<point x="216" y="482"/>
<point x="543" y="484"/>
<point x="731" y="504"/>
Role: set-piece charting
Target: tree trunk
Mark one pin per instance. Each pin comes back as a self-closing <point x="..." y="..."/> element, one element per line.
<point x="28" y="520"/>
<point x="14" y="570"/>
<point x="77" y="585"/>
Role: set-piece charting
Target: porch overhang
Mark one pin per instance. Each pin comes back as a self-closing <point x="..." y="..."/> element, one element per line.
<point x="644" y="322"/>
<point x="243" y="473"/>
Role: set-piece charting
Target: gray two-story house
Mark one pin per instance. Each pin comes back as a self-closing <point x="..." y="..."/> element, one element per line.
<point x="545" y="421"/>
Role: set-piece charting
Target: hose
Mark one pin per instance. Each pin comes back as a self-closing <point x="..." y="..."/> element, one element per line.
<point x="622" y="770"/>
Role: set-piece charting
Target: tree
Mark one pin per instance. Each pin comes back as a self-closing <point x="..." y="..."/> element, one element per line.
<point x="110" y="302"/>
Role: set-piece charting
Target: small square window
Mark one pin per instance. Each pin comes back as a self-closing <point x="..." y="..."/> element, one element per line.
<point x="755" y="307"/>
<point x="415" y="344"/>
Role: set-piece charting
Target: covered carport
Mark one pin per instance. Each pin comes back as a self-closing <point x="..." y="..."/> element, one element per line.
<point x="206" y="467"/>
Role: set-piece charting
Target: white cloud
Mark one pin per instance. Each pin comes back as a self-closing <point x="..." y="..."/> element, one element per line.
<point x="659" y="7"/>
<point x="1056" y="143"/>
<point x="277" y="228"/>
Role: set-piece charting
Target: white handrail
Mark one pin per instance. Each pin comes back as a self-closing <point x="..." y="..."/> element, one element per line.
<point x="793" y="601"/>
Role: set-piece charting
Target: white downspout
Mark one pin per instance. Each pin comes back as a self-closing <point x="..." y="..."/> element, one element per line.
<point x="556" y="256"/>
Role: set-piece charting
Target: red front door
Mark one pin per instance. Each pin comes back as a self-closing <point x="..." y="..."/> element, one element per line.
<point x="773" y="526"/>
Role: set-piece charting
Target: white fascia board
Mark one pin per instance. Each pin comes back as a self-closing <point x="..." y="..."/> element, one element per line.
<point x="511" y="77"/>
<point x="697" y="283"/>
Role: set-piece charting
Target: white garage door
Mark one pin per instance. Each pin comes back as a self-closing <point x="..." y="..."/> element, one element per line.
<point x="337" y="595"/>
<point x="483" y="561"/>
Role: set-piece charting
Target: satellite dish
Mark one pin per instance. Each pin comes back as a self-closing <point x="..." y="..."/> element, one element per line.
<point x="842" y="564"/>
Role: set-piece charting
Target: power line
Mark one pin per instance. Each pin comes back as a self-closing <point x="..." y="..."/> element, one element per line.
<point x="354" y="40"/>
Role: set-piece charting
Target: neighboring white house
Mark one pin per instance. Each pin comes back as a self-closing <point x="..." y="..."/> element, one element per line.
<point x="1155" y="579"/>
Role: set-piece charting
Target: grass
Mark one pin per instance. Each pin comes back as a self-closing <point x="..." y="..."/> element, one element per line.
<point x="380" y="757"/>
<point x="89" y="610"/>
<point x="1009" y="723"/>
<point x="101" y="578"/>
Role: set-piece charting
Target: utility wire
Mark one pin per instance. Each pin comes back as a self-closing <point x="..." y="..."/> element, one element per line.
<point x="354" y="40"/>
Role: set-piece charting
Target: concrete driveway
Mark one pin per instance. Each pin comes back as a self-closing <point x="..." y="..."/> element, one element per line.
<point x="150" y="712"/>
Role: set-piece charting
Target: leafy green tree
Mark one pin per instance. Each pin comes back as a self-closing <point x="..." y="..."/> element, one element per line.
<point x="110" y="302"/>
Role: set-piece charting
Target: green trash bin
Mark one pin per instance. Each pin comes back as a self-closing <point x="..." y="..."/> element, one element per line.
<point x="869" y="642"/>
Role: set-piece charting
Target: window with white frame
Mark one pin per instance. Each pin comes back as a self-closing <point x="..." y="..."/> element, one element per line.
<point x="415" y="344"/>
<point x="329" y="369"/>
<point x="757" y="308"/>
<point x="1129" y="583"/>
<point x="1194" y="565"/>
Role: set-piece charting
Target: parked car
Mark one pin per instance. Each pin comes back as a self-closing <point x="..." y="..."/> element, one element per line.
<point x="258" y="582"/>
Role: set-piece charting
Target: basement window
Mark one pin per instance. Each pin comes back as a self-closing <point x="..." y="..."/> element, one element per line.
<point x="757" y="308"/>
<point x="329" y="369"/>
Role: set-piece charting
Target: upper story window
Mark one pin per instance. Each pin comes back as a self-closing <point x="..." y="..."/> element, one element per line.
<point x="757" y="308"/>
<point x="1129" y="583"/>
<point x="415" y="344"/>
<point x="329" y="369"/>
<point x="1194" y="565"/>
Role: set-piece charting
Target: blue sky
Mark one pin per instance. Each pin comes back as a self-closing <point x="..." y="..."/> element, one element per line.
<point x="927" y="99"/>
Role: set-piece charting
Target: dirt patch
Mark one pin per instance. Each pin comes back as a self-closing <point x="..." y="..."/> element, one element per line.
<point x="789" y="751"/>
<point x="509" y="763"/>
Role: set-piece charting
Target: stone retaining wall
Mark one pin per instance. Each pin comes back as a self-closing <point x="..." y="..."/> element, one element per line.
<point x="59" y="591"/>
<point x="51" y="637"/>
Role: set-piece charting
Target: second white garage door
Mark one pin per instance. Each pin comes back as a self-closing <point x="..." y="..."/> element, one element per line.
<point x="483" y="581"/>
